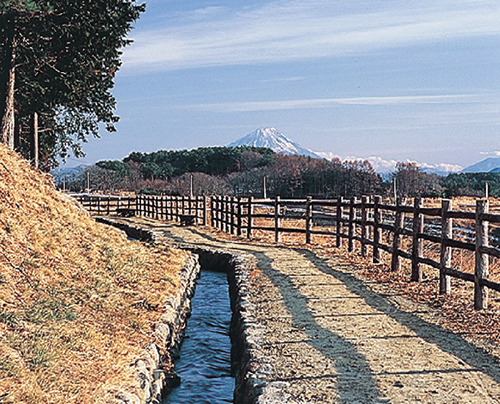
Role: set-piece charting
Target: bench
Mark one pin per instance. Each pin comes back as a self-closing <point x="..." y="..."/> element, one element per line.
<point x="125" y="212"/>
<point x="187" y="220"/>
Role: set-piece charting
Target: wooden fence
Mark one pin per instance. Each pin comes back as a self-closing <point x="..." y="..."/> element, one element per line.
<point x="172" y="208"/>
<point x="366" y="224"/>
<point x="106" y="204"/>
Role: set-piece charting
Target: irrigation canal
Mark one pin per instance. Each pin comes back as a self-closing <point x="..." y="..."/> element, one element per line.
<point x="204" y="365"/>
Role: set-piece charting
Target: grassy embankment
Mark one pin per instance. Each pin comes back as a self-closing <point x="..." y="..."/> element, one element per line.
<point x="77" y="299"/>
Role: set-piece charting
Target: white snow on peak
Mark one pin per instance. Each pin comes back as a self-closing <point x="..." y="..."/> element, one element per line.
<point x="275" y="140"/>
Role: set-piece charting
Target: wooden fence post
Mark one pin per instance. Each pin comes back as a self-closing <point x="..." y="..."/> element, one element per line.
<point x="445" y="261"/>
<point x="277" y="221"/>
<point x="224" y="214"/>
<point x="417" y="245"/>
<point x="352" y="212"/>
<point x="396" y="241"/>
<point x="340" y="209"/>
<point x="211" y="199"/>
<point x="177" y="208"/>
<point x="308" y="219"/>
<point x="231" y="214"/>
<point x="482" y="262"/>
<point x="219" y="211"/>
<point x="249" y="217"/>
<point x="204" y="213"/>
<point x="377" y="231"/>
<point x="239" y="218"/>
<point x="364" y="217"/>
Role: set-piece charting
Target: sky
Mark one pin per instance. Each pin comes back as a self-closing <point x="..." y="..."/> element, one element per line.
<point x="394" y="80"/>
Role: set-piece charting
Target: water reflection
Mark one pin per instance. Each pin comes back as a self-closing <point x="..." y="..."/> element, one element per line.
<point x="205" y="362"/>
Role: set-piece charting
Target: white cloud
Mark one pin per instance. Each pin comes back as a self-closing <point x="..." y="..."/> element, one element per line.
<point x="282" y="31"/>
<point x="318" y="103"/>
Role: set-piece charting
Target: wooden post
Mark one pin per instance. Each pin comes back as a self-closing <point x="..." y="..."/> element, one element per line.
<point x="350" y="246"/>
<point x="220" y="208"/>
<point x="340" y="209"/>
<point x="308" y="219"/>
<point x="34" y="144"/>
<point x="231" y="214"/>
<point x="108" y="200"/>
<point x="99" y="205"/>
<point x="215" y="211"/>
<point x="482" y="262"/>
<point x="364" y="217"/>
<point x="277" y="221"/>
<point x="224" y="213"/>
<point x="396" y="241"/>
<point x="445" y="261"/>
<point x="239" y="218"/>
<point x="203" y="200"/>
<point x="249" y="217"/>
<point x="417" y="245"/>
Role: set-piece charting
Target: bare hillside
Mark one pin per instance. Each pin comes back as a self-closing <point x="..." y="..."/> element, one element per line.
<point x="77" y="299"/>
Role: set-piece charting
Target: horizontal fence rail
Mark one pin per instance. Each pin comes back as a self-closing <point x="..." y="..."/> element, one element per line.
<point x="367" y="224"/>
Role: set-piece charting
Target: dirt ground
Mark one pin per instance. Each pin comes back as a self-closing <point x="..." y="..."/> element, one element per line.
<point x="328" y="336"/>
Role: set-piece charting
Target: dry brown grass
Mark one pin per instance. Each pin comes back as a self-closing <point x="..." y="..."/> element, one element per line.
<point x="77" y="299"/>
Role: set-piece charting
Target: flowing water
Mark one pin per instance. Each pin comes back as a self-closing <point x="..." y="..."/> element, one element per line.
<point x="205" y="357"/>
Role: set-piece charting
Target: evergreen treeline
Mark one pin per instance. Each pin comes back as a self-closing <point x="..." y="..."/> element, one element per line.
<point x="241" y="171"/>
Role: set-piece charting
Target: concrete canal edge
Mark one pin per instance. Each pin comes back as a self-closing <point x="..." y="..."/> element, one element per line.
<point x="249" y="364"/>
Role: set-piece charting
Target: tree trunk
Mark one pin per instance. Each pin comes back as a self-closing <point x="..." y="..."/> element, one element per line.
<point x="7" y="133"/>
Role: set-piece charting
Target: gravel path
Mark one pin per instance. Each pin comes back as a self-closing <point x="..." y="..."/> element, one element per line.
<point x="327" y="337"/>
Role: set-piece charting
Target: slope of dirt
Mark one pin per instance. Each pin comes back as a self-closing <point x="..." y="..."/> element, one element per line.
<point x="77" y="299"/>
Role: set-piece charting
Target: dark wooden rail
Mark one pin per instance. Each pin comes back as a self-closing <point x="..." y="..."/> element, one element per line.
<point x="364" y="224"/>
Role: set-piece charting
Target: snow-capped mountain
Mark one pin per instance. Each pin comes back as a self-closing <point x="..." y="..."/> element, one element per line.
<point x="275" y="140"/>
<point x="483" y="166"/>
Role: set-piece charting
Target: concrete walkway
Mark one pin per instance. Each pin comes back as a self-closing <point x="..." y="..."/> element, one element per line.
<point x="326" y="337"/>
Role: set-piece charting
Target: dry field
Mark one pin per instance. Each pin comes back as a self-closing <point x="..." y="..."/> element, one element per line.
<point x="77" y="299"/>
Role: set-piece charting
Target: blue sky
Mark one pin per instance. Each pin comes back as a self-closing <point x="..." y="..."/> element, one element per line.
<point x="395" y="79"/>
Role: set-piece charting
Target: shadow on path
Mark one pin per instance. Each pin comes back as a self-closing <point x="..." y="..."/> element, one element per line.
<point x="355" y="380"/>
<point x="447" y="341"/>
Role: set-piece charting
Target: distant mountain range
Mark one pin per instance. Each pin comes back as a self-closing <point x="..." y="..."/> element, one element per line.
<point x="274" y="140"/>
<point x="491" y="164"/>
